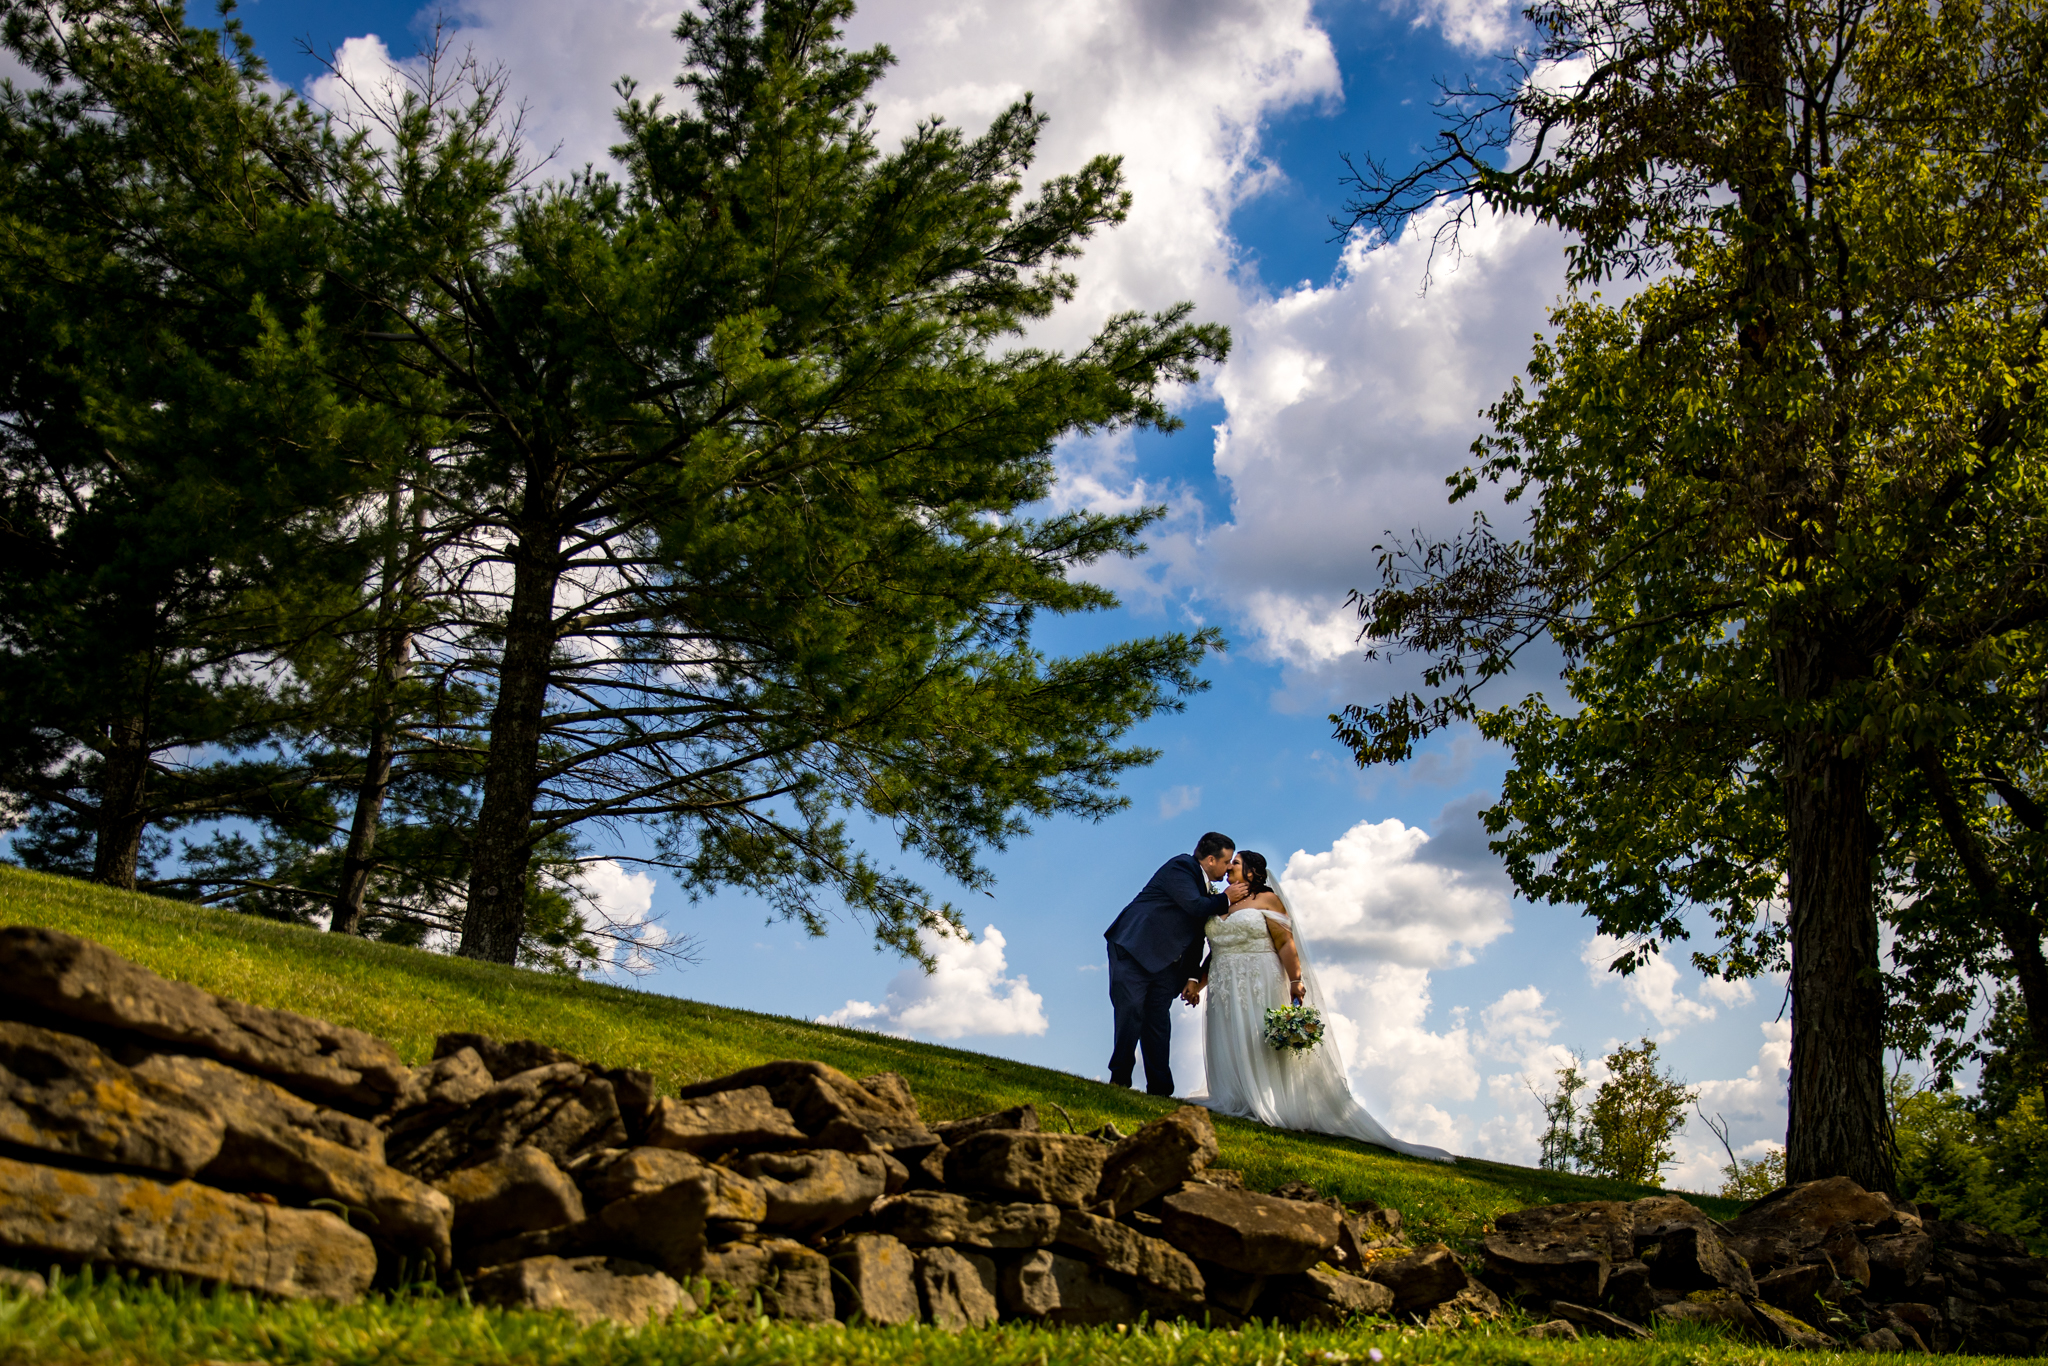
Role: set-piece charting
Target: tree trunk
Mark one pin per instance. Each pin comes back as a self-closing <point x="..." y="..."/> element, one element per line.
<point x="362" y="831"/>
<point x="394" y="657"/>
<point x="117" y="843"/>
<point x="1838" y="1121"/>
<point x="503" y="843"/>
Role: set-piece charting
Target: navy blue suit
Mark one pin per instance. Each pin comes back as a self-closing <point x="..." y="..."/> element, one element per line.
<point x="1155" y="945"/>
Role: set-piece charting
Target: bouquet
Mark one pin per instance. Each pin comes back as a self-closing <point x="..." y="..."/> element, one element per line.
<point x="1293" y="1028"/>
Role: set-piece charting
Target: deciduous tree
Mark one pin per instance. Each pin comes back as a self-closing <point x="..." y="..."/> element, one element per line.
<point x="1778" y="499"/>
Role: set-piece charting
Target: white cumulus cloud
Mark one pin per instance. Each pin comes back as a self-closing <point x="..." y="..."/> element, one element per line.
<point x="1654" y="988"/>
<point x="1375" y="896"/>
<point x="1517" y="1028"/>
<point x="1348" y="403"/>
<point x="364" y="84"/>
<point x="617" y="906"/>
<point x="969" y="991"/>
<point x="1753" y="1105"/>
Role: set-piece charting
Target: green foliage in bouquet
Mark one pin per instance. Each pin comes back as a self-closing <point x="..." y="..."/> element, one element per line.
<point x="1294" y="1027"/>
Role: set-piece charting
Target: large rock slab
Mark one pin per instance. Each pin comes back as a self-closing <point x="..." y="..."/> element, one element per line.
<point x="502" y="1058"/>
<point x="1721" y="1308"/>
<point x="816" y="1191"/>
<point x="874" y="1277"/>
<point x="632" y="1087"/>
<point x="832" y="1109"/>
<point x="793" y="1281"/>
<point x="450" y="1080"/>
<point x="799" y="1286"/>
<point x="181" y="1228"/>
<point x="1247" y="1231"/>
<point x="1122" y="1249"/>
<point x="1630" y="1293"/>
<point x="1053" y="1288"/>
<point x="1420" y="1280"/>
<point x="1898" y="1262"/>
<point x="1160" y="1157"/>
<point x="892" y="1089"/>
<point x="251" y="1106"/>
<point x="561" y="1109"/>
<point x="517" y="1192"/>
<point x="1683" y="1250"/>
<point x="956" y="1289"/>
<point x="621" y="1174"/>
<point x="1025" y="1288"/>
<point x="61" y="975"/>
<point x="1562" y="1252"/>
<point x="668" y="1226"/>
<point x="1021" y="1117"/>
<point x="1778" y="1229"/>
<point x="589" y="1289"/>
<point x="1019" y="1164"/>
<point x="278" y="1143"/>
<point x="923" y="1218"/>
<point x="742" y="1118"/>
<point x="1324" y="1297"/>
<point x="63" y="1095"/>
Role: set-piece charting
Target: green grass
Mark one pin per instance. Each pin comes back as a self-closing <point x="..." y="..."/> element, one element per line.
<point x="86" y="1322"/>
<point x="409" y="997"/>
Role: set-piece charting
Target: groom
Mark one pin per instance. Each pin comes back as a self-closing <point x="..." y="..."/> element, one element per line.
<point x="1153" y="949"/>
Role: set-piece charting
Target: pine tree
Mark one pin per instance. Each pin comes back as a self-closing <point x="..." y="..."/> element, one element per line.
<point x="173" y="454"/>
<point x="745" y="455"/>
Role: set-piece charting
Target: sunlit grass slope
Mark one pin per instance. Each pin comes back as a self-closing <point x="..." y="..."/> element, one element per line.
<point x="409" y="997"/>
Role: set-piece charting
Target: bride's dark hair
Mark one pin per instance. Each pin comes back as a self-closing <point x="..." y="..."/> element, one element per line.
<point x="1255" y="870"/>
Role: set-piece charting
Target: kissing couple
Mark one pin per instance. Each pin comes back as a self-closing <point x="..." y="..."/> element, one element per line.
<point x="1224" y="897"/>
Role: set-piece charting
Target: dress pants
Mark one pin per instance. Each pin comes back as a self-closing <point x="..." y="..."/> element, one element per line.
<point x="1142" y="1006"/>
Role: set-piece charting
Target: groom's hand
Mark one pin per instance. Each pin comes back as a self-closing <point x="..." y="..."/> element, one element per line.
<point x="1238" y="891"/>
<point x="1192" y="992"/>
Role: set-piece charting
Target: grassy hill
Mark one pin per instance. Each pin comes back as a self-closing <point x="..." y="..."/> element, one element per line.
<point x="408" y="997"/>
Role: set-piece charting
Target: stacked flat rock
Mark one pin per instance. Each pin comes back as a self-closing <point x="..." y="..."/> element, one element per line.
<point x="148" y="1125"/>
<point x="1824" y="1264"/>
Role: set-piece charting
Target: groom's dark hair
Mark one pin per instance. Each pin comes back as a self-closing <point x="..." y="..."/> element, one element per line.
<point x="1212" y="844"/>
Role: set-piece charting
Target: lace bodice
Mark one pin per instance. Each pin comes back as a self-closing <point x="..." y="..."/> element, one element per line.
<point x="1241" y="932"/>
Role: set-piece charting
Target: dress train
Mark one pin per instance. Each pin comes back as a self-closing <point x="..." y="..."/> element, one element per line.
<point x="1250" y="1078"/>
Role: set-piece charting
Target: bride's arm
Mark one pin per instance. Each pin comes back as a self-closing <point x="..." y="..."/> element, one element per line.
<point x="1283" y="947"/>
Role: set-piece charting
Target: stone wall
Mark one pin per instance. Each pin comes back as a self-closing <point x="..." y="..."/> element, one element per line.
<point x="1823" y="1264"/>
<point x="147" y="1125"/>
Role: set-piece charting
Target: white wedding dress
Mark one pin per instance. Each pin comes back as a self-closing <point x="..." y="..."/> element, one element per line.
<point x="1250" y="1078"/>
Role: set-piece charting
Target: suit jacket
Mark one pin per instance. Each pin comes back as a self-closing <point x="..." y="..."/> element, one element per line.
<point x="1163" y="924"/>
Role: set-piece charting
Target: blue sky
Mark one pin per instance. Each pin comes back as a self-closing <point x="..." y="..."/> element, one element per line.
<point x="1351" y="394"/>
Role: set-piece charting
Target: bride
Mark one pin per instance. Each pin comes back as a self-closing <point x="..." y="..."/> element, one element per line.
<point x="1256" y="960"/>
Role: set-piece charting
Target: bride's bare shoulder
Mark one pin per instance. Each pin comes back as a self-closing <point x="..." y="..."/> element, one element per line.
<point x="1268" y="901"/>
